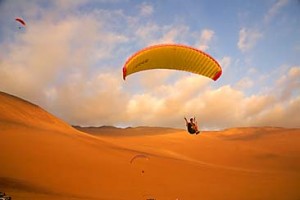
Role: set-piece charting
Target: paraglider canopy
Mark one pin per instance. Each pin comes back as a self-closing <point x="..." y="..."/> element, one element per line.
<point x="139" y="156"/>
<point x="173" y="56"/>
<point x="21" y="21"/>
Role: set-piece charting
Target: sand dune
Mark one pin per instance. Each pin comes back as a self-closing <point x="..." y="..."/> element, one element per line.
<point x="42" y="157"/>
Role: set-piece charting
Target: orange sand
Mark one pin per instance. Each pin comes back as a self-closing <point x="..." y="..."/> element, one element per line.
<point x="42" y="157"/>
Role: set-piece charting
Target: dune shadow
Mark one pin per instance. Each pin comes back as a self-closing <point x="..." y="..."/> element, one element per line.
<point x="13" y="184"/>
<point x="21" y="185"/>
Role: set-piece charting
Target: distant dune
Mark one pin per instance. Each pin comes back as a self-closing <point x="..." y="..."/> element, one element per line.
<point x="129" y="131"/>
<point x="42" y="157"/>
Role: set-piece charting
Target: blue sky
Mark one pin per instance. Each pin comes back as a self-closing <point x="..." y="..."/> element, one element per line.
<point x="69" y="58"/>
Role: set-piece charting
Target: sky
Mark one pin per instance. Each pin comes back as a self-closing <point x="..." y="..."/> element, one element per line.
<point x="68" y="59"/>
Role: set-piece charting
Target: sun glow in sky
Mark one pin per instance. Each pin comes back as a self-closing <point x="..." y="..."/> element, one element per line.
<point x="69" y="59"/>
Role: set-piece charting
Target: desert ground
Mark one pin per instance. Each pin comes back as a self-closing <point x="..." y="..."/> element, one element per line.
<point x="42" y="157"/>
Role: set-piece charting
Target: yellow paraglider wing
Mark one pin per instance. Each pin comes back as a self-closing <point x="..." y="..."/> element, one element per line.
<point x="173" y="56"/>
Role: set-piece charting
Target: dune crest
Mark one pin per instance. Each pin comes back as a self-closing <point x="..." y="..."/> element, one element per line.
<point x="15" y="111"/>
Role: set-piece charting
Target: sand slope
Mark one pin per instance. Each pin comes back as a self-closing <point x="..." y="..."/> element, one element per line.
<point x="42" y="157"/>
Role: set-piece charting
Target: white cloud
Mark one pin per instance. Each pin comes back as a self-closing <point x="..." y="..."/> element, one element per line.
<point x="225" y="62"/>
<point x="205" y="38"/>
<point x="248" y="39"/>
<point x="252" y="70"/>
<point x="244" y="83"/>
<point x="294" y="73"/>
<point x="289" y="83"/>
<point x="171" y="34"/>
<point x="274" y="10"/>
<point x="146" y="30"/>
<point x="151" y="33"/>
<point x="51" y="50"/>
<point x="146" y="9"/>
<point x="161" y="76"/>
<point x="95" y="101"/>
<point x="257" y="104"/>
<point x="281" y="115"/>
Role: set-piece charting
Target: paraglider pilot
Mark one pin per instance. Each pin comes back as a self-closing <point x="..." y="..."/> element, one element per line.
<point x="192" y="126"/>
